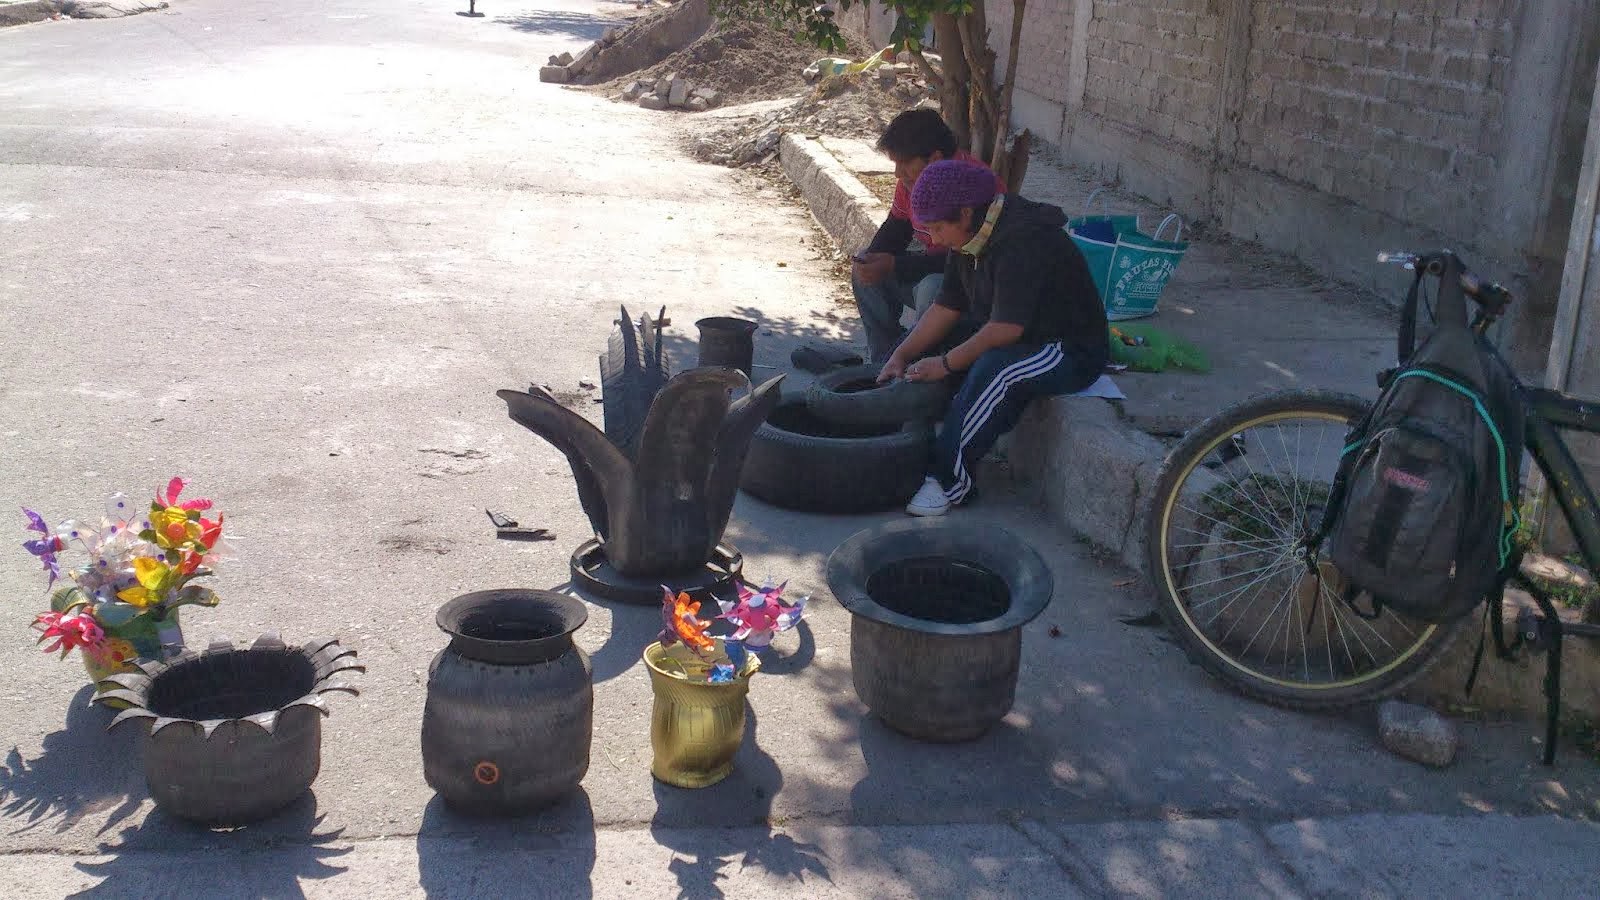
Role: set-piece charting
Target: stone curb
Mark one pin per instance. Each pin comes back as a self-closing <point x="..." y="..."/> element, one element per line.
<point x="1093" y="471"/>
<point x="28" y="12"/>
<point x="841" y="204"/>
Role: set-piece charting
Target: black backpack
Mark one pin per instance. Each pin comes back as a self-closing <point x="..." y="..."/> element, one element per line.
<point x="1423" y="512"/>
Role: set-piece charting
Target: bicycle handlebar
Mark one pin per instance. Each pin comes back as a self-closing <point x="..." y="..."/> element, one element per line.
<point x="1491" y="295"/>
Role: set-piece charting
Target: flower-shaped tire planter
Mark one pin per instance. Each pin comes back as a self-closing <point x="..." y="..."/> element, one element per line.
<point x="232" y="735"/>
<point x="937" y="609"/>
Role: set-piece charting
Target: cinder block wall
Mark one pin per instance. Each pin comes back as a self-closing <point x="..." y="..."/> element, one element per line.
<point x="1328" y="130"/>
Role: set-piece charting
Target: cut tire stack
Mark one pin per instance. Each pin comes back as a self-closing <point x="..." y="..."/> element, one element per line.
<point x="846" y="446"/>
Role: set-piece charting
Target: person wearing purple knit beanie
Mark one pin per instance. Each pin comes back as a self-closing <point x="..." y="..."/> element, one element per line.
<point x="1017" y="317"/>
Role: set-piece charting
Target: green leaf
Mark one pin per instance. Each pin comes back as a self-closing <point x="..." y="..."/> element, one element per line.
<point x="148" y="535"/>
<point x="67" y="599"/>
<point x="196" y="596"/>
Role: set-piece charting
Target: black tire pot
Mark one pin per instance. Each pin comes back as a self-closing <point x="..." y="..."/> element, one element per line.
<point x="728" y="342"/>
<point x="507" y="724"/>
<point x="232" y="735"/>
<point x="853" y="396"/>
<point x="937" y="610"/>
<point x="797" y="461"/>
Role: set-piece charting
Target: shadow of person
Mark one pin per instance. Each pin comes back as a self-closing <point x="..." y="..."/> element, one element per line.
<point x="685" y="817"/>
<point x="57" y="788"/>
<point x="298" y="852"/>
<point x="550" y="853"/>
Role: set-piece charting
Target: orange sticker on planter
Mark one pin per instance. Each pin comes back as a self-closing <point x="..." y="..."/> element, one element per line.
<point x="486" y="772"/>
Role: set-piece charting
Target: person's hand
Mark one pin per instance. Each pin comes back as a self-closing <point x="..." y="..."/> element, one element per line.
<point x="930" y="369"/>
<point x="871" y="268"/>
<point x="894" y="368"/>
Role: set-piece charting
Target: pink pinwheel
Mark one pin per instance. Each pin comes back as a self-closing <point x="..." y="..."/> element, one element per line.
<point x="759" y="615"/>
<point x="45" y="547"/>
<point x="69" y="630"/>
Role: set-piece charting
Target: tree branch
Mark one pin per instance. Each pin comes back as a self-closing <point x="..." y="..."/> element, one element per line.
<point x="1003" y="120"/>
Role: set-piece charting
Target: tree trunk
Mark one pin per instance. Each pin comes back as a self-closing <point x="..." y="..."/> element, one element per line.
<point x="954" y="90"/>
<point x="981" y="103"/>
<point x="1011" y="163"/>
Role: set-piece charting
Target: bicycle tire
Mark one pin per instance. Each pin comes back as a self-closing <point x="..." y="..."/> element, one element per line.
<point x="1195" y="448"/>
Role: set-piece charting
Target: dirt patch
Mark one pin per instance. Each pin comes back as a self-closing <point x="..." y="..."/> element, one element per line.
<point x="847" y="106"/>
<point x="882" y="186"/>
<point x="743" y="61"/>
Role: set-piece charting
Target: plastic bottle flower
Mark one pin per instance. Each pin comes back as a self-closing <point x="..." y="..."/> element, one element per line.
<point x="138" y="571"/>
<point x="45" y="547"/>
<point x="759" y="615"/>
<point x="70" y="630"/>
<point x="681" y="616"/>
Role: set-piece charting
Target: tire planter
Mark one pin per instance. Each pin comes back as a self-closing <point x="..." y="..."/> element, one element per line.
<point x="232" y="735"/>
<point x="695" y="727"/>
<point x="852" y="396"/>
<point x="594" y="575"/>
<point x="507" y="724"/>
<point x="727" y="341"/>
<point x="796" y="461"/>
<point x="937" y="611"/>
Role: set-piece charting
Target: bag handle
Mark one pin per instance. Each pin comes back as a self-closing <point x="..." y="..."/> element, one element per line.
<point x="1173" y="217"/>
<point x="1088" y="205"/>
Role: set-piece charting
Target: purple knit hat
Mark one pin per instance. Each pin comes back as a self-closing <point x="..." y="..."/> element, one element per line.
<point x="946" y="186"/>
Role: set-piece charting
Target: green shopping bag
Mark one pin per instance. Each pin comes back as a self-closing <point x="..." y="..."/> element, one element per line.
<point x="1129" y="268"/>
<point x="1140" y="268"/>
<point x="1096" y="237"/>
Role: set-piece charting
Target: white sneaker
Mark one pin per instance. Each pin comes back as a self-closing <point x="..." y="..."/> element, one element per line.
<point x="930" y="500"/>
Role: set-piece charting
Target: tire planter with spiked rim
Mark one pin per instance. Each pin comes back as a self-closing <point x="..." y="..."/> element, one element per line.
<point x="231" y="735"/>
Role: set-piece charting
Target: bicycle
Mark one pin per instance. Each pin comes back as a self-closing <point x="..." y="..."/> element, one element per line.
<point x="1233" y="540"/>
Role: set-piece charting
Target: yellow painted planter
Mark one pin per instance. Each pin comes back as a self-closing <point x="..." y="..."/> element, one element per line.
<point x="695" y="727"/>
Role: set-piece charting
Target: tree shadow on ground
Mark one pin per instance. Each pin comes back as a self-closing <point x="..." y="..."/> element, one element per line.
<point x="549" y="853"/>
<point x="686" y="821"/>
<point x="552" y="22"/>
<point x="79" y="773"/>
<point x="143" y="860"/>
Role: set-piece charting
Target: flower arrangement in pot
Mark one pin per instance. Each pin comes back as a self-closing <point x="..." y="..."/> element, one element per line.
<point x="700" y="681"/>
<point x="122" y="603"/>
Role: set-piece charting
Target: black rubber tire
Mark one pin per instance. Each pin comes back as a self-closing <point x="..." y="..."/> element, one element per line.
<point x="851" y="396"/>
<point x="1196" y="445"/>
<point x="798" y="462"/>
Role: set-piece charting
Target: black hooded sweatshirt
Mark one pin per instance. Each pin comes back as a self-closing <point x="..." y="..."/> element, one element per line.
<point x="1031" y="274"/>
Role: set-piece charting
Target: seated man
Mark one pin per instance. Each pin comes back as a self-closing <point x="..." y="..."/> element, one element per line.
<point x="1043" y="328"/>
<point x="888" y="276"/>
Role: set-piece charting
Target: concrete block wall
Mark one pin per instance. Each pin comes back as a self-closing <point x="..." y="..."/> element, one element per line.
<point x="1329" y="129"/>
<point x="1395" y="111"/>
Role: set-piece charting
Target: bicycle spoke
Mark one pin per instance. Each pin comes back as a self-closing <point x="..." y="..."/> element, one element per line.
<point x="1216" y="559"/>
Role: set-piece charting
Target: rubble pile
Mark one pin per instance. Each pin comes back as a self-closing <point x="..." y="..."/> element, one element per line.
<point x="671" y="91"/>
<point x="857" y="106"/>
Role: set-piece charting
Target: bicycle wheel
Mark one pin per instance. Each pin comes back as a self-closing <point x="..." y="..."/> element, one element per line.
<point x="1250" y="602"/>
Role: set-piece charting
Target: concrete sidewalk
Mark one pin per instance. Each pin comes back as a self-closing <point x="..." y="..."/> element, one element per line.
<point x="1370" y="856"/>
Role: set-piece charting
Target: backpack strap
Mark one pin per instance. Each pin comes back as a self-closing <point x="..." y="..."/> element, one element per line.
<point x="1551" y="632"/>
<point x="1408" y="321"/>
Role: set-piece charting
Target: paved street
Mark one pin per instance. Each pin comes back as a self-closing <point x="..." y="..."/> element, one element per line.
<point x="289" y="250"/>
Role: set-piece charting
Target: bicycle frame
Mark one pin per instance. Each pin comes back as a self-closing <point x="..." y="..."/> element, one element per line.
<point x="1548" y="414"/>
